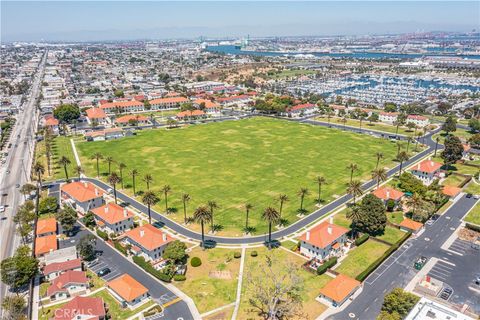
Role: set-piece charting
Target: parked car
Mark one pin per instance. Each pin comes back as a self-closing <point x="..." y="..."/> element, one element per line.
<point x="477" y="280"/>
<point x="104" y="272"/>
<point x="2" y="209"/>
<point x="420" y="262"/>
<point x="469" y="195"/>
<point x="446" y="293"/>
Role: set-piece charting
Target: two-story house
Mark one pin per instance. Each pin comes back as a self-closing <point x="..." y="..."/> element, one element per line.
<point x="46" y="227"/>
<point x="427" y="171"/>
<point x="82" y="196"/>
<point x="388" y="193"/>
<point x="388" y="117"/>
<point x="147" y="241"/>
<point x="113" y="218"/>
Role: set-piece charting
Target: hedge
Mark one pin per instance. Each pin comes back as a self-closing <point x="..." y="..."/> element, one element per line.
<point x="179" y="277"/>
<point x="102" y="235"/>
<point x="195" y="262"/>
<point x="120" y="248"/>
<point x="374" y="265"/>
<point x="473" y="227"/>
<point x="362" y="239"/>
<point x="330" y="263"/>
<point x="150" y="269"/>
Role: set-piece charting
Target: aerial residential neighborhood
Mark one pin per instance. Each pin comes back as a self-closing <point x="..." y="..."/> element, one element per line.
<point x="240" y="160"/>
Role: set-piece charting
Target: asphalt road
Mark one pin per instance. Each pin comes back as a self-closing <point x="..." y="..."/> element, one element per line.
<point x="19" y="163"/>
<point x="289" y="229"/>
<point x="397" y="270"/>
<point x="120" y="265"/>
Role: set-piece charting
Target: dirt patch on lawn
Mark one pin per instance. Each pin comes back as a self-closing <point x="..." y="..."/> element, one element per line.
<point x="224" y="275"/>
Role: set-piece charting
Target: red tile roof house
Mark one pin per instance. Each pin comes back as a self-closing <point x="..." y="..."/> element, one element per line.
<point x="419" y="121"/>
<point x="337" y="108"/>
<point x="167" y="103"/>
<point x="147" y="241"/>
<point x="113" y="218"/>
<point x="191" y="115"/>
<point x="128" y="291"/>
<point x="388" y="117"/>
<point x="301" y="110"/>
<point x="388" y="193"/>
<point x="46" y="227"/>
<point x="127" y="120"/>
<point x="229" y="101"/>
<point x="82" y="308"/>
<point x="122" y="107"/>
<point x="82" y="196"/>
<point x="210" y="107"/>
<point x="68" y="284"/>
<point x="53" y="270"/>
<point x="427" y="171"/>
<point x="409" y="225"/>
<point x="323" y="241"/>
<point x="44" y="245"/>
<point x="96" y="114"/>
<point x="338" y="290"/>
<point x="52" y="124"/>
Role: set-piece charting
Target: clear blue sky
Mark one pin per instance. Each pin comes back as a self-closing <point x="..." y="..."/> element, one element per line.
<point x="115" y="20"/>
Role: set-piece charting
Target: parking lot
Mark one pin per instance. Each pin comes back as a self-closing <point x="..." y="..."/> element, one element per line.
<point x="101" y="264"/>
<point x="441" y="271"/>
<point x="460" y="246"/>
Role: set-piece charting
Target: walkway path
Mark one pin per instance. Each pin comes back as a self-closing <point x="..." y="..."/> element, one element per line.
<point x="239" y="285"/>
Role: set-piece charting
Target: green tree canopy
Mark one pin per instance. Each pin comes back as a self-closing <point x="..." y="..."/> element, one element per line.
<point x="453" y="150"/>
<point x="17" y="271"/>
<point x="175" y="250"/>
<point x="474" y="125"/>
<point x="67" y="113"/>
<point x="67" y="218"/>
<point x="450" y="125"/>
<point x="371" y="217"/>
<point x="86" y="247"/>
<point x="48" y="205"/>
<point x="399" y="302"/>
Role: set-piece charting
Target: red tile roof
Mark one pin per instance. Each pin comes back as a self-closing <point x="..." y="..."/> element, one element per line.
<point x="339" y="288"/>
<point x="193" y="113"/>
<point x="416" y="117"/>
<point x="46" y="226"/>
<point x="410" y="224"/>
<point x="323" y="234"/>
<point x="62" y="266"/>
<point x="45" y="244"/>
<point x="82" y="191"/>
<point x="301" y="106"/>
<point x="451" y="191"/>
<point x="51" y="121"/>
<point x="389" y="114"/>
<point x="169" y="100"/>
<point x="127" y="287"/>
<point x="129" y="117"/>
<point x="148" y="236"/>
<point x="69" y="277"/>
<point x="208" y="104"/>
<point x="121" y="104"/>
<point x="428" y="166"/>
<point x="386" y="193"/>
<point x="95" y="113"/>
<point x="112" y="213"/>
<point x="90" y="307"/>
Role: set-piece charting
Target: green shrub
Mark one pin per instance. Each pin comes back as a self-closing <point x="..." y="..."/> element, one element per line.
<point x="362" y="239"/>
<point x="254" y="253"/>
<point x="332" y="261"/>
<point x="195" y="262"/>
<point x="237" y="255"/>
<point x="326" y="265"/>
<point x="179" y="277"/>
<point x="102" y="235"/>
<point x="473" y="227"/>
<point x="150" y="269"/>
<point x="390" y="205"/>
<point x="120" y="248"/>
<point x="322" y="269"/>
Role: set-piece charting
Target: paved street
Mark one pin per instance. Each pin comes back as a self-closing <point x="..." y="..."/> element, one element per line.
<point x="120" y="265"/>
<point x="18" y="168"/>
<point x="397" y="270"/>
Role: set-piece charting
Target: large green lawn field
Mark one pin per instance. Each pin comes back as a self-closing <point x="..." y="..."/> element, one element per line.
<point x="235" y="162"/>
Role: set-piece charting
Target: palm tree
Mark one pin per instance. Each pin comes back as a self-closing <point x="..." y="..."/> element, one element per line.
<point x="212" y="205"/>
<point x="415" y="202"/>
<point x="320" y="181"/>
<point x="271" y="216"/>
<point x="78" y="171"/>
<point x="352" y="167"/>
<point x="344" y="121"/>
<point x="97" y="156"/>
<point x="109" y="160"/>
<point x="282" y="198"/>
<point x="409" y="140"/>
<point x="150" y="199"/>
<point x="185" y="199"/>
<point x="379" y="157"/>
<point x="355" y="189"/>
<point x="134" y="173"/>
<point x="399" y="146"/>
<point x="113" y="179"/>
<point x="379" y="175"/>
<point x="148" y="179"/>
<point x="402" y="157"/>
<point x="354" y="215"/>
<point x="302" y="193"/>
<point x="248" y="207"/>
<point x="121" y="166"/>
<point x="166" y="190"/>
<point x="39" y="169"/>
<point x="202" y="215"/>
<point x="64" y="161"/>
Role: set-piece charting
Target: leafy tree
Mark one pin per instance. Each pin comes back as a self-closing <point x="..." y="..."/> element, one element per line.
<point x="86" y="247"/>
<point x="119" y="93"/>
<point x="408" y="183"/>
<point x="175" y="251"/>
<point x="18" y="270"/>
<point x="150" y="199"/>
<point x="67" y="113"/>
<point x="450" y="125"/>
<point x="48" y="205"/>
<point x="202" y="215"/>
<point x="474" y="125"/>
<point x="371" y="216"/>
<point x="14" y="306"/>
<point x="89" y="220"/>
<point x="444" y="107"/>
<point x="390" y="107"/>
<point x="27" y="189"/>
<point x="399" y="302"/>
<point x="67" y="218"/>
<point x="475" y="141"/>
<point x="453" y="150"/>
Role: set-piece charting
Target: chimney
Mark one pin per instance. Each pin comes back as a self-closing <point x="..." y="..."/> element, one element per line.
<point x="388" y="194"/>
<point x="330" y="220"/>
<point x="142" y="233"/>
<point x="85" y="184"/>
<point x="96" y="192"/>
<point x="106" y="208"/>
<point x="125" y="212"/>
<point x="308" y="235"/>
<point x="164" y="237"/>
<point x="431" y="163"/>
<point x="329" y="229"/>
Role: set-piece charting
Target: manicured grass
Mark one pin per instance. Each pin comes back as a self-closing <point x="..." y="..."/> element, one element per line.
<point x="48" y="313"/>
<point x="453" y="180"/>
<point x="461" y="133"/>
<point x="341" y="218"/>
<point x="361" y="257"/>
<point x="115" y="310"/>
<point x="378" y="126"/>
<point x="95" y="280"/>
<point x="61" y="146"/>
<point x="207" y="292"/>
<point x="312" y="283"/>
<point x="391" y="234"/>
<point x="474" y="215"/>
<point x="395" y="217"/>
<point x="236" y="162"/>
<point x="43" y="289"/>
<point x="472" y="188"/>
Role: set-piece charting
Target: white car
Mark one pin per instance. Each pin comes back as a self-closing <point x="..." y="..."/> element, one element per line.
<point x="110" y="190"/>
<point x="2" y="209"/>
